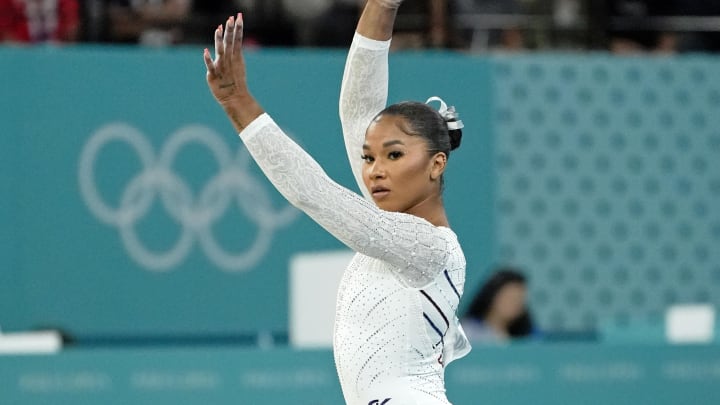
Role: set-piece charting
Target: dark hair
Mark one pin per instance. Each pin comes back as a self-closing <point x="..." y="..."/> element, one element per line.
<point x="427" y="122"/>
<point x="481" y="304"/>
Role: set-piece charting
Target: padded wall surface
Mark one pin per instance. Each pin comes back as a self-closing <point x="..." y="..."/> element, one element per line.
<point x="609" y="184"/>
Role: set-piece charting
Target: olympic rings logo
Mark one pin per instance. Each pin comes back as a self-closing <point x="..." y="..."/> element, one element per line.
<point x="195" y="214"/>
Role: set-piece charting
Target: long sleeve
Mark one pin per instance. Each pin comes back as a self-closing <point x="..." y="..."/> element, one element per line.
<point x="363" y="94"/>
<point x="417" y="250"/>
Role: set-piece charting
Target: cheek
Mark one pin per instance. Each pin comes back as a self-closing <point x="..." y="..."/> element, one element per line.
<point x="414" y="170"/>
<point x="509" y="303"/>
<point x="515" y="304"/>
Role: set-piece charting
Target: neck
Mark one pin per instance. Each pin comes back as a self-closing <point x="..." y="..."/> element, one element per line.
<point x="432" y="209"/>
<point x="498" y="325"/>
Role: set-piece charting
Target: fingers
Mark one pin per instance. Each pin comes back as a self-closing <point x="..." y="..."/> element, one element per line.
<point x="227" y="39"/>
<point x="228" y="44"/>
<point x="219" y="50"/>
<point x="238" y="37"/>
<point x="209" y="63"/>
<point x="239" y="31"/>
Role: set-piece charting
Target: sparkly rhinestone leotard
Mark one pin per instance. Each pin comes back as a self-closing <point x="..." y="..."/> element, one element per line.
<point x="396" y="326"/>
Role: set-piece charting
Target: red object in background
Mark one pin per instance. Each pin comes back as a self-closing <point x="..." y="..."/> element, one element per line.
<point x="38" y="20"/>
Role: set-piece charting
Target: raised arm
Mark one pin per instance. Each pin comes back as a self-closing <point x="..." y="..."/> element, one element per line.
<point x="378" y="18"/>
<point x="417" y="249"/>
<point x="365" y="81"/>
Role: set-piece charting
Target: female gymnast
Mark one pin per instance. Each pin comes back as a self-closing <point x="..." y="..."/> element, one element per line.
<point x="396" y="326"/>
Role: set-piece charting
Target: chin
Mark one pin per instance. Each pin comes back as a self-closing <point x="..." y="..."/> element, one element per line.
<point x="383" y="205"/>
<point x="388" y="206"/>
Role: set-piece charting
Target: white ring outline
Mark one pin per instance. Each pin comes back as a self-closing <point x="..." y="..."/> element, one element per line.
<point x="232" y="183"/>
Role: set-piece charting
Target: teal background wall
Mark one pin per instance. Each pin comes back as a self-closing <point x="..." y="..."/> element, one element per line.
<point x="609" y="184"/>
<point x="70" y="117"/>
<point x="598" y="176"/>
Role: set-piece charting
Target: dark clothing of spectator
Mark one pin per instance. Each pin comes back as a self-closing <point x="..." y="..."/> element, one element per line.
<point x="699" y="41"/>
<point x="474" y="38"/>
<point x="637" y="10"/>
<point x="206" y="15"/>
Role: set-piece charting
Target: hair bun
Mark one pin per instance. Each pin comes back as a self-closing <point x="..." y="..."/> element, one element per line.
<point x="455" y="138"/>
<point x="452" y="120"/>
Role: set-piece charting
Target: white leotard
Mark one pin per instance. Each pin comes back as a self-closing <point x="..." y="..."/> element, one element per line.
<point x="396" y="325"/>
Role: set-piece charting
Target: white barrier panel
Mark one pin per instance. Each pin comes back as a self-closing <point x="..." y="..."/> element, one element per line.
<point x="690" y="324"/>
<point x="46" y="342"/>
<point x="314" y="281"/>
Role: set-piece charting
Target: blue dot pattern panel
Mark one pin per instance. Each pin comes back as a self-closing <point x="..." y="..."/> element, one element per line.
<point x="609" y="184"/>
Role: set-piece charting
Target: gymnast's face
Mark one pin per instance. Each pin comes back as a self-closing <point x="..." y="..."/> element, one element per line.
<point x="398" y="171"/>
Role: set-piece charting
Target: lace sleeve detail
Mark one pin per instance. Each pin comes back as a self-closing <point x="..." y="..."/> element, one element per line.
<point x="363" y="95"/>
<point x="416" y="249"/>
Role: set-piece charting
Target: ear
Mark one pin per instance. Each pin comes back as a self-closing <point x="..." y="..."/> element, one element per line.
<point x="437" y="165"/>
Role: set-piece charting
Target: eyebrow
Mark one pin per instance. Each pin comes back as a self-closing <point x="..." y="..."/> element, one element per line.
<point x="386" y="144"/>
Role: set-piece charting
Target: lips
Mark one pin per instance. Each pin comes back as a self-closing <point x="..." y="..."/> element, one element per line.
<point x="379" y="191"/>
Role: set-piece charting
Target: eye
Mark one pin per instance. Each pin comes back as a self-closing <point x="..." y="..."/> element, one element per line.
<point x="394" y="155"/>
<point x="367" y="158"/>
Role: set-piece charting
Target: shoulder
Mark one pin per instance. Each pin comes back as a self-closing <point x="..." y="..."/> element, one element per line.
<point x="454" y="246"/>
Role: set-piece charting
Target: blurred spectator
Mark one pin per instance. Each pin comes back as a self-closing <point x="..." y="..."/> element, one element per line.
<point x="267" y="23"/>
<point x="422" y="23"/>
<point x="499" y="312"/>
<point x="206" y="16"/>
<point x="624" y="26"/>
<point x="419" y="24"/>
<point x="510" y="37"/>
<point x="309" y="18"/>
<point x="33" y="21"/>
<point x="698" y="40"/>
<point x="336" y="26"/>
<point x="631" y="39"/>
<point x="148" y="22"/>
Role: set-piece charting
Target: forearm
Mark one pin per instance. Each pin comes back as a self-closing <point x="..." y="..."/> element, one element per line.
<point x="377" y="19"/>
<point x="363" y="94"/>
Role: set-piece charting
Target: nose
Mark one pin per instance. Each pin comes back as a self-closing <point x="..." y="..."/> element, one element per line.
<point x="377" y="171"/>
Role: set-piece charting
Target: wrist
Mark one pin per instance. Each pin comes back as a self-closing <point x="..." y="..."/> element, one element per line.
<point x="242" y="110"/>
<point x="237" y="101"/>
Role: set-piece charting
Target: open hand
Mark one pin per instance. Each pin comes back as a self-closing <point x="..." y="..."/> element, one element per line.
<point x="226" y="74"/>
